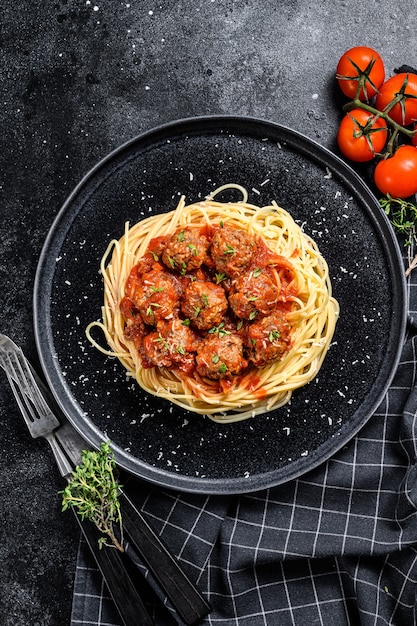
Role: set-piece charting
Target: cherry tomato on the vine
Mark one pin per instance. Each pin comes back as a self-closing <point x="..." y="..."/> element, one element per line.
<point x="404" y="112"/>
<point x="361" y="135"/>
<point x="397" y="175"/>
<point x="354" y="62"/>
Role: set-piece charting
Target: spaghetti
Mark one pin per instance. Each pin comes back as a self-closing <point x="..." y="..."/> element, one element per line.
<point x="221" y="308"/>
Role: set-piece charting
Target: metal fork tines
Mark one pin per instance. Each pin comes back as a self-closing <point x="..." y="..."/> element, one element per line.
<point x="37" y="414"/>
<point x="45" y="419"/>
<point x="28" y="389"/>
<point x="35" y="410"/>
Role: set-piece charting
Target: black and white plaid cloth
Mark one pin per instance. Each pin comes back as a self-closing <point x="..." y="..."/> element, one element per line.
<point x="335" y="546"/>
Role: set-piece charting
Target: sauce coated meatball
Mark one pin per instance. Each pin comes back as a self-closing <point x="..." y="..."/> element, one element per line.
<point x="150" y="259"/>
<point x="171" y="345"/>
<point x="204" y="304"/>
<point x="232" y="250"/>
<point x="268" y="339"/>
<point x="203" y="301"/>
<point x="157" y="296"/>
<point x="185" y="250"/>
<point x="220" y="357"/>
<point x="252" y="294"/>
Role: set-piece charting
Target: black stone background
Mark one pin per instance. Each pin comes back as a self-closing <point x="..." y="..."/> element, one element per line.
<point x="77" y="79"/>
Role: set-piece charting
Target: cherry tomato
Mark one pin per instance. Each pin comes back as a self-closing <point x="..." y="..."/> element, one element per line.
<point x="403" y="112"/>
<point x="361" y="136"/>
<point x="355" y="62"/>
<point x="397" y="175"/>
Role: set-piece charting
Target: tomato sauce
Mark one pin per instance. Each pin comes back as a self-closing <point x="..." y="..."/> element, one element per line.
<point x="167" y="320"/>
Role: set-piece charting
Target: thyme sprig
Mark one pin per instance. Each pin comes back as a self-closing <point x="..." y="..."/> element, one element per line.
<point x="93" y="492"/>
<point x="403" y="216"/>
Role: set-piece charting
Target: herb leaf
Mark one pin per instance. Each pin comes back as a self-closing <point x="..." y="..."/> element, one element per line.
<point x="403" y="217"/>
<point x="274" y="334"/>
<point x="219" y="330"/>
<point x="93" y="492"/>
<point x="229" y="249"/>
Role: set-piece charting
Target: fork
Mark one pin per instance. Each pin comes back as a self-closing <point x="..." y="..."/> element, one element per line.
<point x="23" y="381"/>
<point x="40" y="411"/>
<point x="42" y="422"/>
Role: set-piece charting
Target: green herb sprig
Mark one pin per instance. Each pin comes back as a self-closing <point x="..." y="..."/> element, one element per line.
<point x="403" y="216"/>
<point x="93" y="492"/>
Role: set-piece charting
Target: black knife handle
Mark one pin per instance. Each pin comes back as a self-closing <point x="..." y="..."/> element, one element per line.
<point x="121" y="588"/>
<point x="184" y="595"/>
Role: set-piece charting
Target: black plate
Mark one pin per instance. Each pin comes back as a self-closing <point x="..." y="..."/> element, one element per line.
<point x="158" y="441"/>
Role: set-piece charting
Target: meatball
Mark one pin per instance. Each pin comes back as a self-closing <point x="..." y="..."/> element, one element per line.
<point x="232" y="250"/>
<point x="267" y="339"/>
<point x="186" y="249"/>
<point x="220" y="357"/>
<point x="204" y="303"/>
<point x="171" y="345"/>
<point x="151" y="257"/>
<point x="157" y="296"/>
<point x="252" y="294"/>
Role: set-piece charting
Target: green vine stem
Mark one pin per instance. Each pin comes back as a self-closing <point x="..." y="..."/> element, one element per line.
<point x="401" y="213"/>
<point x="356" y="103"/>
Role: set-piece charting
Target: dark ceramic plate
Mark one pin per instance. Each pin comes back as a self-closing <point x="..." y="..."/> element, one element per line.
<point x="158" y="441"/>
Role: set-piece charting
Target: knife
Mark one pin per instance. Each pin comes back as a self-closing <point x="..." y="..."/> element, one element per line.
<point x="67" y="445"/>
<point x="184" y="595"/>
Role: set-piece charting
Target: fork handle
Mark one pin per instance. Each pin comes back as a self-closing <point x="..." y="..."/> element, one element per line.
<point x="122" y="590"/>
<point x="184" y="595"/>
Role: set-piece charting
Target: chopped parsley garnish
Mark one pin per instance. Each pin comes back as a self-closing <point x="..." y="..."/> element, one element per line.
<point x="229" y="249"/>
<point x="274" y="334"/>
<point x="180" y="236"/>
<point x="149" y="310"/>
<point x="186" y="322"/>
<point x="223" y="368"/>
<point x="252" y="315"/>
<point x="215" y="358"/>
<point x="219" y="277"/>
<point x="204" y="298"/>
<point x="160" y="339"/>
<point x="193" y="249"/>
<point x="257" y="272"/>
<point x="219" y="330"/>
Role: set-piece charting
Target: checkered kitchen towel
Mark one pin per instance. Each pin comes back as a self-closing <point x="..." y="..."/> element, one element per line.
<point x="336" y="546"/>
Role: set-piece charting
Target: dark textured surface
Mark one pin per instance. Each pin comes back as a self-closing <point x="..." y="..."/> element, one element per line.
<point x="77" y="80"/>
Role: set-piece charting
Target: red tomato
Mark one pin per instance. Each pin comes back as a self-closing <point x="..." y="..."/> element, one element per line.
<point x="403" y="112"/>
<point x="356" y="62"/>
<point x="397" y="175"/>
<point x="361" y="136"/>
